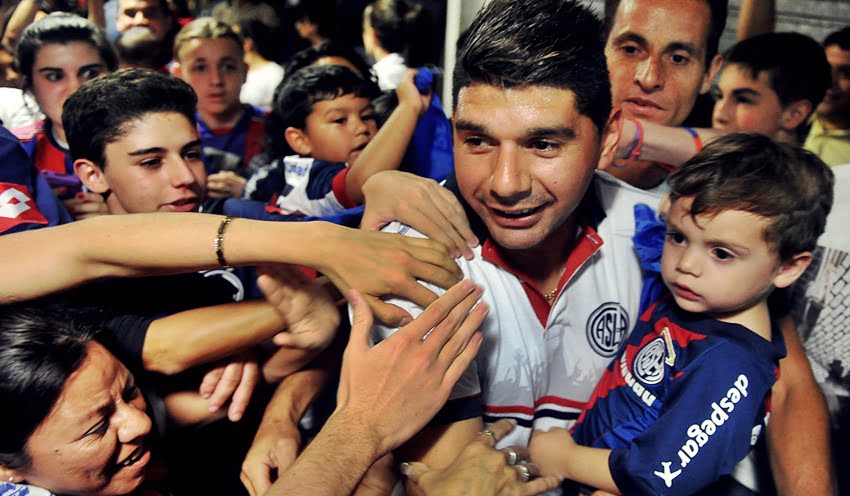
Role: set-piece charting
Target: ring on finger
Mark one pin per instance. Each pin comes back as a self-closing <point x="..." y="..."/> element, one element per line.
<point x="229" y="189"/>
<point x="522" y="473"/>
<point x="488" y="432"/>
<point x="511" y="455"/>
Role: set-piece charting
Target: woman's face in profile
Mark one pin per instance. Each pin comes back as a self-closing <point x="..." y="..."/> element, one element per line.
<point x="93" y="440"/>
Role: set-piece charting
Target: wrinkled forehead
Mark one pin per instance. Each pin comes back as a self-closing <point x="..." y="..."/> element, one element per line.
<point x="664" y="22"/>
<point x="158" y="5"/>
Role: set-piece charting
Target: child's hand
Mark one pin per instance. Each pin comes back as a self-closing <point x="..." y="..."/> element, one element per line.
<point x="548" y="450"/>
<point x="225" y="184"/>
<point x="409" y="95"/>
<point x="84" y="205"/>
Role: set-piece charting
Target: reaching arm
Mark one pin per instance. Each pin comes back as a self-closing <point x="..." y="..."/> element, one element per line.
<point x="387" y="148"/>
<point x="96" y="15"/>
<point x="756" y="17"/>
<point x="183" y="340"/>
<point x="380" y="402"/>
<point x="278" y="440"/>
<point x="22" y="17"/>
<point x="666" y="144"/>
<point x="798" y="433"/>
<point x="43" y="261"/>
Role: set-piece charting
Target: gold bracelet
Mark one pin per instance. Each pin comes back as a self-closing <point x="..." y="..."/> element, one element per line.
<point x="219" y="241"/>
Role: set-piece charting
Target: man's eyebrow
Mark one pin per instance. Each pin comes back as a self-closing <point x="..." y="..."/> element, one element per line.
<point x="630" y="36"/>
<point x="50" y="69"/>
<point x="462" y="125"/>
<point x="90" y="66"/>
<point x="146" y="151"/>
<point x="565" y="133"/>
<point x="681" y="45"/>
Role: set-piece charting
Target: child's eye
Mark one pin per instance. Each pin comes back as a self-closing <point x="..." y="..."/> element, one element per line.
<point x="340" y="120"/>
<point x="675" y="237"/>
<point x="722" y="254"/>
<point x="198" y="68"/>
<point x="230" y="68"/>
<point x="368" y="117"/>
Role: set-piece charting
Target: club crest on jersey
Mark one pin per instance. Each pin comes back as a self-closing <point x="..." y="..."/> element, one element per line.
<point x="606" y="328"/>
<point x="649" y="362"/>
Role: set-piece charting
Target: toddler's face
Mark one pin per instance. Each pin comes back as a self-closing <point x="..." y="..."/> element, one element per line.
<point x="338" y="130"/>
<point x="717" y="264"/>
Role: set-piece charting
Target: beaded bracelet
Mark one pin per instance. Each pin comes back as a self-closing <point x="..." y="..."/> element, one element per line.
<point x="695" y="135"/>
<point x="219" y="242"/>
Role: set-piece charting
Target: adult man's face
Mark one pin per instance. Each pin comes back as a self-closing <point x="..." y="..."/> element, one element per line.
<point x="147" y="13"/>
<point x="156" y="166"/>
<point x="836" y="104"/>
<point x="524" y="158"/>
<point x="656" y="57"/>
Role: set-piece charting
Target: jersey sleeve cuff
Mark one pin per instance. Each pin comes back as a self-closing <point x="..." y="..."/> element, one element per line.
<point x="340" y="190"/>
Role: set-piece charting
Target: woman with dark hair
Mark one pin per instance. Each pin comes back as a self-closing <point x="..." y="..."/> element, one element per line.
<point x="55" y="56"/>
<point x="73" y="419"/>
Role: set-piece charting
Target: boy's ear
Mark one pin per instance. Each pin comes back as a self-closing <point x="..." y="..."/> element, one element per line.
<point x="91" y="175"/>
<point x="713" y="68"/>
<point x="791" y="270"/>
<point x="176" y="70"/>
<point x="610" y="138"/>
<point x="664" y="206"/>
<point x="794" y="114"/>
<point x="298" y="141"/>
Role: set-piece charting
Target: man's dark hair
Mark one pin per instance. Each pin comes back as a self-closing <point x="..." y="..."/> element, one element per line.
<point x="40" y="348"/>
<point x="295" y="97"/>
<point x="840" y="38"/>
<point x="795" y="63"/>
<point x="718" y="8"/>
<point x="99" y="112"/>
<point x="790" y="186"/>
<point x="553" y="43"/>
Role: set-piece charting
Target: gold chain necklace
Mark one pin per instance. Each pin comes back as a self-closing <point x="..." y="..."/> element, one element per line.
<point x="551" y="294"/>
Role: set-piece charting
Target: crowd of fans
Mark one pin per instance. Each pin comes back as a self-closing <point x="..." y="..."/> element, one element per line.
<point x="247" y="251"/>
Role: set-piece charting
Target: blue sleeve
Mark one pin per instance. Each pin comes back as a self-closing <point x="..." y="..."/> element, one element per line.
<point x="26" y="201"/>
<point x="711" y="418"/>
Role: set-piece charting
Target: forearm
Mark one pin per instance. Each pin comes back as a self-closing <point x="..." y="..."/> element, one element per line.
<point x="96" y="15"/>
<point x="589" y="466"/>
<point x="202" y="335"/>
<point x="665" y="144"/>
<point x="756" y="17"/>
<point x="334" y="462"/>
<point x="384" y="152"/>
<point x="22" y="17"/>
<point x="292" y="397"/>
<point x="43" y="261"/>
<point x="798" y="432"/>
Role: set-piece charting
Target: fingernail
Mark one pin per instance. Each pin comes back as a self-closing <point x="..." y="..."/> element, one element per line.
<point x="213" y="408"/>
<point x="81" y="196"/>
<point x="404" y="468"/>
<point x="404" y="321"/>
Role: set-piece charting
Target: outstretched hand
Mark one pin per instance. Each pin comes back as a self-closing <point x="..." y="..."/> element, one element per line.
<point x="420" y="203"/>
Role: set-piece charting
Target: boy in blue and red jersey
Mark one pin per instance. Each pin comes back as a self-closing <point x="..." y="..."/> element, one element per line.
<point x="688" y="395"/>
<point x="210" y="57"/>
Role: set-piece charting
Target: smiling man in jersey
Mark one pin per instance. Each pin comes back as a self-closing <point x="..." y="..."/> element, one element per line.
<point x="533" y="119"/>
